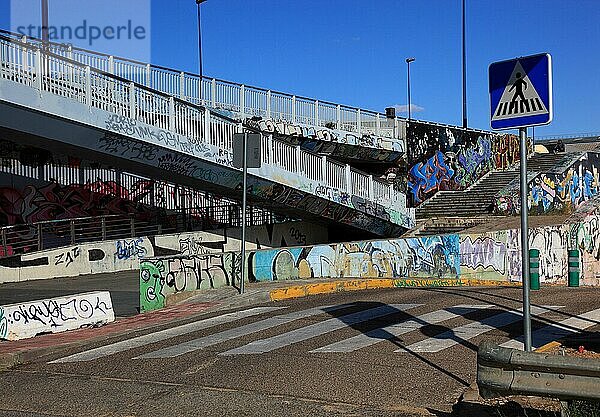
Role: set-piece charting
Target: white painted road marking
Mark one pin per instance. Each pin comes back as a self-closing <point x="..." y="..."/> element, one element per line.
<point x="433" y="344"/>
<point x="317" y="329"/>
<point x="203" y="342"/>
<point x="378" y="335"/>
<point x="469" y="331"/>
<point x="163" y="335"/>
<point x="556" y="331"/>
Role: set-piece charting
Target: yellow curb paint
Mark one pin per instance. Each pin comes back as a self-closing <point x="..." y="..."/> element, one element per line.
<point x="286" y="293"/>
<point x="354" y="285"/>
<point x="548" y="346"/>
<point x="364" y="284"/>
<point x="380" y="283"/>
<point x="324" y="288"/>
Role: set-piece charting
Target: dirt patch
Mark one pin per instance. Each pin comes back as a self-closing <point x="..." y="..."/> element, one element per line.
<point x="583" y="345"/>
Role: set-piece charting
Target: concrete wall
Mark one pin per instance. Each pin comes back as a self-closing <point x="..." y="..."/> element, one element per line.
<point x="442" y="158"/>
<point x="486" y="256"/>
<point x="160" y="278"/>
<point x="492" y="256"/>
<point x="125" y="254"/>
<point x="20" y="321"/>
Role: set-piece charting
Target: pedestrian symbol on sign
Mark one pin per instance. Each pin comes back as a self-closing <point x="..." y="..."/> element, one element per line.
<point x="518" y="86"/>
<point x="519" y="98"/>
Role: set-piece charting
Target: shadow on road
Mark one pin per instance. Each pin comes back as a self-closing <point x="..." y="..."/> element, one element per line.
<point x="475" y="295"/>
<point x="395" y="316"/>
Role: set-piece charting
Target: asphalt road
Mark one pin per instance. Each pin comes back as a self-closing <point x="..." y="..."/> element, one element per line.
<point x="294" y="358"/>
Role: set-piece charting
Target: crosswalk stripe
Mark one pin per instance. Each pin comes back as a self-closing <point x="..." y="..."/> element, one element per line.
<point x="318" y="329"/>
<point x="556" y="331"/>
<point x="163" y="335"/>
<point x="203" y="342"/>
<point x="377" y="335"/>
<point x="469" y="331"/>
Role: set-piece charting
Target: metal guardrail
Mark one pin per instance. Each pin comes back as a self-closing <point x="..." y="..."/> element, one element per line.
<point x="589" y="135"/>
<point x="503" y="371"/>
<point x="36" y="67"/>
<point x="25" y="238"/>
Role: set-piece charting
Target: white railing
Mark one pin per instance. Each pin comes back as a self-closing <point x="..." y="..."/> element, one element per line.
<point x="24" y="64"/>
<point x="360" y="184"/>
<point x="246" y="101"/>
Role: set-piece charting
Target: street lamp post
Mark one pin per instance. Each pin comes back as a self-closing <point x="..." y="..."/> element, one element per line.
<point x="198" y="3"/>
<point x="408" y="61"/>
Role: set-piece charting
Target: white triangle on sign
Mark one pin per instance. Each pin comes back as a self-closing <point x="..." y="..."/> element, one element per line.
<point x="519" y="98"/>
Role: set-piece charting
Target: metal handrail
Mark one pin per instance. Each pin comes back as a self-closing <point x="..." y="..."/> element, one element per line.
<point x="128" y="99"/>
<point x="213" y="81"/>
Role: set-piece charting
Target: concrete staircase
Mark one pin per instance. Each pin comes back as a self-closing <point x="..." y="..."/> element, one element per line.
<point x="478" y="199"/>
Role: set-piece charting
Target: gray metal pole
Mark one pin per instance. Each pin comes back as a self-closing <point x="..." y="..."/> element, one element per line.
<point x="408" y="85"/>
<point x="45" y="25"/>
<point x="244" y="188"/>
<point x="198" y="3"/>
<point x="464" y="65"/>
<point x="525" y="242"/>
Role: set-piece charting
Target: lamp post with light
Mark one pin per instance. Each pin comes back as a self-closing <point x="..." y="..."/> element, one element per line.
<point x="408" y="61"/>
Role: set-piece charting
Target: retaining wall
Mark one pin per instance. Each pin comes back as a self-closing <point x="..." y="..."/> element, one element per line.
<point x="125" y="254"/>
<point x="493" y="257"/>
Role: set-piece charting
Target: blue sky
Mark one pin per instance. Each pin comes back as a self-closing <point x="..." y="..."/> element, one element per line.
<point x="353" y="52"/>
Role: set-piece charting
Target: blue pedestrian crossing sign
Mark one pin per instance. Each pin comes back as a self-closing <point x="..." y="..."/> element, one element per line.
<point x="521" y="92"/>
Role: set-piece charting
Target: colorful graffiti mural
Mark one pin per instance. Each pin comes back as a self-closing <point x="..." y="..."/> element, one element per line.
<point x="555" y="192"/>
<point x="493" y="257"/>
<point x="399" y="258"/>
<point x="447" y="159"/>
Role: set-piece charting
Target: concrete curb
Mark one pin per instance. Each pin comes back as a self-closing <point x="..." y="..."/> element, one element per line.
<point x="304" y="290"/>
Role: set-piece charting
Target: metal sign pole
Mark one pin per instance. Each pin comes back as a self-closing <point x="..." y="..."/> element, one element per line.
<point x="244" y="188"/>
<point x="525" y="241"/>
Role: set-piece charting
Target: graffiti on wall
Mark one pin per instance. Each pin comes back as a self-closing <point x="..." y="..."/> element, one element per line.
<point x="68" y="257"/>
<point x="55" y="202"/>
<point x="584" y="236"/>
<point x="483" y="252"/>
<point x="159" y="278"/>
<point x="184" y="144"/>
<point x="398" y="258"/>
<point x="126" y="249"/>
<point x="73" y="187"/>
<point x="332" y="141"/>
<point x="433" y="260"/>
<point x="447" y="159"/>
<point x="556" y="192"/>
<point x="18" y="321"/>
